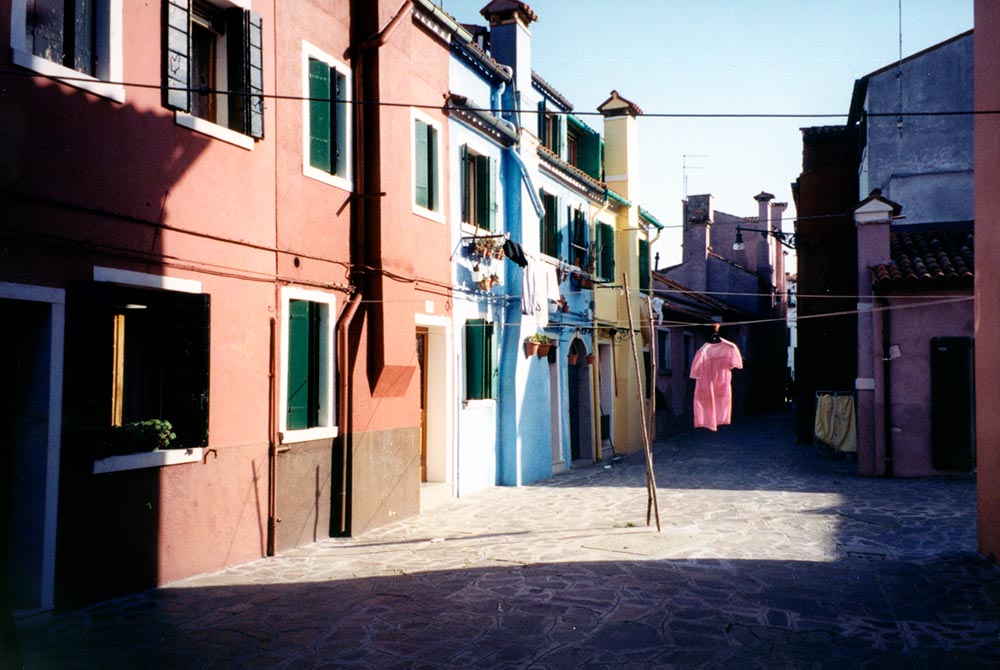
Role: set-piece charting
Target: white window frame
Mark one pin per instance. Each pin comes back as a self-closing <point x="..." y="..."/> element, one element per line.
<point x="438" y="215"/>
<point x="328" y="398"/>
<point x="204" y="126"/>
<point x="107" y="82"/>
<point x="310" y="51"/>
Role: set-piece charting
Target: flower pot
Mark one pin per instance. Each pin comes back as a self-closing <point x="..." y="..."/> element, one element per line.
<point x="530" y="348"/>
<point x="572" y="358"/>
<point x="590" y="359"/>
<point x="543" y="350"/>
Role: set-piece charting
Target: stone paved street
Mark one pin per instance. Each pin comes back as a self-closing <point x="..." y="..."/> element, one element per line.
<point x="771" y="555"/>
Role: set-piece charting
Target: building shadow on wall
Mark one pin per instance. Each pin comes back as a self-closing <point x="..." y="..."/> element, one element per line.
<point x="84" y="184"/>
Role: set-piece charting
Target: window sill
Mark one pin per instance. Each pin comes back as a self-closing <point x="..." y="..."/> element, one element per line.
<point x="327" y="178"/>
<point x="309" y="434"/>
<point x="437" y="217"/>
<point x="69" y="76"/>
<point x="478" y="403"/>
<point x="213" y="130"/>
<point x="148" y="459"/>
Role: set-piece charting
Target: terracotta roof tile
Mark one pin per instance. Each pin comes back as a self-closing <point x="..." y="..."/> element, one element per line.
<point x="927" y="259"/>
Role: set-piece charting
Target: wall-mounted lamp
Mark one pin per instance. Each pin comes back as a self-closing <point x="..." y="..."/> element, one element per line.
<point x="780" y="235"/>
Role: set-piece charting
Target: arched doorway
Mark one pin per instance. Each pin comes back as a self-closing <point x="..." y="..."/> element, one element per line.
<point x="581" y="423"/>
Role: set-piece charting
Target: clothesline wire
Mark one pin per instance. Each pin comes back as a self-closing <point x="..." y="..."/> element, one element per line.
<point x="417" y="105"/>
<point x="622" y="323"/>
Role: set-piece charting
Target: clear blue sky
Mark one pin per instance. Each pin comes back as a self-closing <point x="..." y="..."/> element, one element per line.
<point x="722" y="56"/>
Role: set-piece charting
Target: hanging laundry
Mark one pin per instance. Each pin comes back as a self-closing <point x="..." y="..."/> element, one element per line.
<point x="834" y="425"/>
<point x="515" y="252"/>
<point x="529" y="288"/>
<point x="712" y="371"/>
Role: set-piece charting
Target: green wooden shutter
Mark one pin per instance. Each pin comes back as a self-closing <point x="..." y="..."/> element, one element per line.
<point x="542" y="126"/>
<point x="492" y="177"/>
<point x="607" y="251"/>
<point x="421" y="178"/>
<point x="178" y="55"/>
<point x="643" y="265"/>
<point x="320" y="149"/>
<point x="254" y="77"/>
<point x="463" y="177"/>
<point x="339" y="110"/>
<point x="484" y="203"/>
<point x="297" y="415"/>
<point x="476" y="382"/>
<point x="557" y="135"/>
<point x="490" y="370"/>
<point x="432" y="168"/>
<point x="590" y="154"/>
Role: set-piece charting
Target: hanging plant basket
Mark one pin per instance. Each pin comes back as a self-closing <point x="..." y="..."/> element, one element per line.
<point x="543" y="350"/>
<point x="530" y="348"/>
<point x="572" y="358"/>
<point x="590" y="359"/>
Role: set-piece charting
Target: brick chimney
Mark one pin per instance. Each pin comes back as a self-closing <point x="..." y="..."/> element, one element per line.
<point x="698" y="216"/>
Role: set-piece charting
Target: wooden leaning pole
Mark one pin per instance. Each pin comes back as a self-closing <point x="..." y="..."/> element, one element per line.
<point x="651" y="500"/>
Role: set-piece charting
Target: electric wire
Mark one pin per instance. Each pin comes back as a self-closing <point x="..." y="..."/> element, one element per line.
<point x="430" y="106"/>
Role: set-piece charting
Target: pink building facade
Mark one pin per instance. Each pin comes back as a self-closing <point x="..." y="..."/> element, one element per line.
<point x="190" y="234"/>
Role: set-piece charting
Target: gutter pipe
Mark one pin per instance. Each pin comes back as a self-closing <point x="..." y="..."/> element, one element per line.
<point x="343" y="384"/>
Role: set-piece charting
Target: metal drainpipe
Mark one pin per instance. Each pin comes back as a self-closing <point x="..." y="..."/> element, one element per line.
<point x="343" y="374"/>
<point x="887" y="388"/>
<point x="272" y="445"/>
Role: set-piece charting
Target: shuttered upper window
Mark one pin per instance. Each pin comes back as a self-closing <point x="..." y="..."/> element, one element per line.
<point x="550" y="235"/>
<point x="426" y="166"/>
<point x="79" y="39"/>
<point x="643" y="265"/>
<point x="327" y="118"/>
<point x="478" y="175"/>
<point x="606" y="251"/>
<point x="214" y="65"/>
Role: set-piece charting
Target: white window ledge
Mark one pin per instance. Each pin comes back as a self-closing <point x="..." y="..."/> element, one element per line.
<point x="69" y="76"/>
<point x="479" y="403"/>
<point x="204" y="127"/>
<point x="437" y="217"/>
<point x="148" y="459"/>
<point x="309" y="434"/>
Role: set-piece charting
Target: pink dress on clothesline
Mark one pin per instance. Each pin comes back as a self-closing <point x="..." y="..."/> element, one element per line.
<point x="712" y="372"/>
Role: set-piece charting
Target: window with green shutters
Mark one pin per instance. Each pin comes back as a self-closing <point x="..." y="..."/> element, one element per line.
<point x="303" y="364"/>
<point x="480" y="366"/>
<point x="644" y="265"/>
<point x="579" y="238"/>
<point x="549" y="128"/>
<point x="606" y="251"/>
<point x="478" y="176"/>
<point x="425" y="166"/>
<point x="308" y="373"/>
<point x="550" y="235"/>
<point x="328" y="118"/>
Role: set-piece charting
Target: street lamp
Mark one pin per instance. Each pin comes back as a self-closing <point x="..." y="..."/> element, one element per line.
<point x="786" y="239"/>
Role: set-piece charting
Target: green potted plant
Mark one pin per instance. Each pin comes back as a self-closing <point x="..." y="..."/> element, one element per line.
<point x="147" y="435"/>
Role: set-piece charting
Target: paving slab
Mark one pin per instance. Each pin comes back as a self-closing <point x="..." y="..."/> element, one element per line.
<point x="771" y="555"/>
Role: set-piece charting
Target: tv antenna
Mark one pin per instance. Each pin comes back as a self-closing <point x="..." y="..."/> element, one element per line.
<point x="685" y="167"/>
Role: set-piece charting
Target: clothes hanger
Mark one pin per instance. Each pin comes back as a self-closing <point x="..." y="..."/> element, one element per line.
<point x="715" y="338"/>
